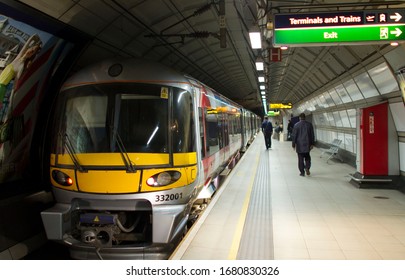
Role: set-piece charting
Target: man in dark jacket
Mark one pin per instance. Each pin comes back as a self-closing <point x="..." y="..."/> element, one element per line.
<point x="303" y="140"/>
<point x="267" y="129"/>
<point x="289" y="130"/>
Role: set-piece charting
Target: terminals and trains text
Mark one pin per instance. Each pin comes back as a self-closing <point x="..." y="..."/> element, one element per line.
<point x="138" y="149"/>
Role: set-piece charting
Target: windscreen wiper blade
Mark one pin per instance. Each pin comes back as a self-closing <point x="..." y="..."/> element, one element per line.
<point x="125" y="157"/>
<point x="71" y="152"/>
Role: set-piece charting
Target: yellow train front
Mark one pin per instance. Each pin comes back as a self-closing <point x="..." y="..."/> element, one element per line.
<point x="124" y="167"/>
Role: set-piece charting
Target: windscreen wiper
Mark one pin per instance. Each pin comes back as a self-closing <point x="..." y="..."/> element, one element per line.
<point x="125" y="157"/>
<point x="71" y="151"/>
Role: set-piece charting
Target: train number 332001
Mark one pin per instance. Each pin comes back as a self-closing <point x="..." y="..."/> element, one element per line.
<point x="168" y="197"/>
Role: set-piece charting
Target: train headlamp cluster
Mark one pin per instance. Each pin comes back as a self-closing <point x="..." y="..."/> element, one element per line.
<point x="62" y="178"/>
<point x="163" y="178"/>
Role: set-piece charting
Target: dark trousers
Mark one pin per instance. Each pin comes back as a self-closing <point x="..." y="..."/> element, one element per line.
<point x="304" y="162"/>
<point x="267" y="140"/>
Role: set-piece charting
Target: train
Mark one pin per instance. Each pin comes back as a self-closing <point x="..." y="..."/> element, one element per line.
<point x="137" y="150"/>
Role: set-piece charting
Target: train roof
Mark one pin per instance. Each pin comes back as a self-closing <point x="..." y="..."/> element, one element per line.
<point x="127" y="70"/>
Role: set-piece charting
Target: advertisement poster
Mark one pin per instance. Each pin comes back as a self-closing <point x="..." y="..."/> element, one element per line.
<point x="28" y="60"/>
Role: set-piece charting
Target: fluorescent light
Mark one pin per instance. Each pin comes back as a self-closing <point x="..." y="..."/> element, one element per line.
<point x="284" y="47"/>
<point x="263" y="93"/>
<point x="261" y="79"/>
<point x="394" y="44"/>
<point x="262" y="87"/>
<point x="255" y="40"/>
<point x="259" y="66"/>
<point x="153" y="134"/>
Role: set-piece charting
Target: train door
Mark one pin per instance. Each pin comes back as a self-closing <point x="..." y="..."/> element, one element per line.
<point x="243" y="128"/>
<point x="225" y="135"/>
<point x="201" y="121"/>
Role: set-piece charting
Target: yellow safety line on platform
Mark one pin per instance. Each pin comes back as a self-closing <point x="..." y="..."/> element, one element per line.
<point x="239" y="228"/>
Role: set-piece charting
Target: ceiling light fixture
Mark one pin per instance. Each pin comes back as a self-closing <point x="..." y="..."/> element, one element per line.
<point x="259" y="66"/>
<point x="261" y="79"/>
<point x="255" y="38"/>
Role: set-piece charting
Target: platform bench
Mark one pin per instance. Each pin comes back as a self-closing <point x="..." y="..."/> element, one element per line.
<point x="333" y="150"/>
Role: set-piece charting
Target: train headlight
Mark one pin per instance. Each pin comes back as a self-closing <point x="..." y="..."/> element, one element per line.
<point x="62" y="178"/>
<point x="163" y="178"/>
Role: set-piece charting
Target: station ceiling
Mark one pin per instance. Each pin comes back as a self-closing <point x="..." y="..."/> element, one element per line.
<point x="186" y="35"/>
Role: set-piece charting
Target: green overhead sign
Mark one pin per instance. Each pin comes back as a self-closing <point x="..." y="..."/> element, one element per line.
<point x="339" y="28"/>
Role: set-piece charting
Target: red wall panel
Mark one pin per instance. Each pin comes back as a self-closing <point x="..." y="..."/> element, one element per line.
<point x="374" y="140"/>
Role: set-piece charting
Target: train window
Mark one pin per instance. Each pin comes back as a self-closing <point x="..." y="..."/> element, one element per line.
<point x="239" y="124"/>
<point x="85" y="117"/>
<point x="182" y="126"/>
<point x="142" y="121"/>
<point x="133" y="118"/>
<point x="201" y="121"/>
<point x="212" y="132"/>
<point x="230" y="126"/>
<point x="99" y="118"/>
<point x="224" y="130"/>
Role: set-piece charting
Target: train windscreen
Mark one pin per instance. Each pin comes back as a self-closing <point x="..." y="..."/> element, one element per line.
<point x="133" y="118"/>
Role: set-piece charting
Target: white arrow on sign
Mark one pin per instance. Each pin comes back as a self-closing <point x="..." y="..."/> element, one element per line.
<point x="397" y="32"/>
<point x="396" y="17"/>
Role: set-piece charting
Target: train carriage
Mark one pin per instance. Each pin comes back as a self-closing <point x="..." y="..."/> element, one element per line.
<point x="135" y="146"/>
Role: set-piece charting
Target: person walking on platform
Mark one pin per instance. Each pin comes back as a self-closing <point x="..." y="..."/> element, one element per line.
<point x="303" y="140"/>
<point x="289" y="130"/>
<point x="267" y="129"/>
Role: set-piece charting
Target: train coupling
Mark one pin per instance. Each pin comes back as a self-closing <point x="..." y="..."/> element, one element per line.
<point x="98" y="229"/>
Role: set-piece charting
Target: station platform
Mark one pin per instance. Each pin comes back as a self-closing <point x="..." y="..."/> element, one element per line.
<point x="265" y="210"/>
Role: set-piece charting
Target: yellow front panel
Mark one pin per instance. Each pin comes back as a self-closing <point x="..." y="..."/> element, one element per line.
<point x="113" y="159"/>
<point x="184" y="159"/>
<point x="95" y="181"/>
<point x="53" y="159"/>
<point x="114" y="181"/>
